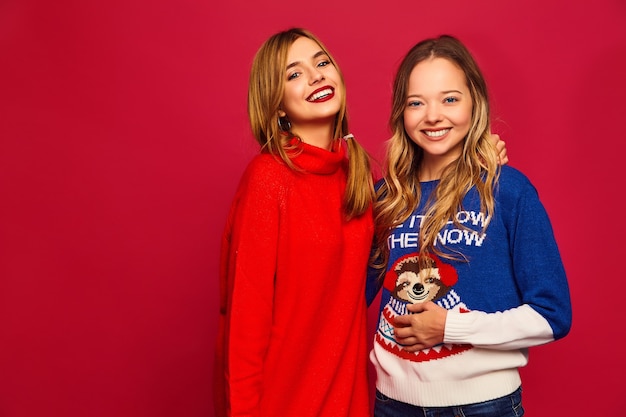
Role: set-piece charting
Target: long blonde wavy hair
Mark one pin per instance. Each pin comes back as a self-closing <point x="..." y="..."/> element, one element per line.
<point x="265" y="94"/>
<point x="400" y="192"/>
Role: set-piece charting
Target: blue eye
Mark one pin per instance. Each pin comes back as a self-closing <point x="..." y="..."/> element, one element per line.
<point x="450" y="100"/>
<point x="323" y="63"/>
<point x="414" y="104"/>
<point x="293" y="75"/>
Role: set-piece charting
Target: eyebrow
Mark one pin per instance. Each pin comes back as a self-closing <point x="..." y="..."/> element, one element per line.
<point x="317" y="54"/>
<point x="443" y="92"/>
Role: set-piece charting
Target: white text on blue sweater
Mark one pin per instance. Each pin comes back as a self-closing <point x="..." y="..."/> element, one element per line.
<point x="454" y="236"/>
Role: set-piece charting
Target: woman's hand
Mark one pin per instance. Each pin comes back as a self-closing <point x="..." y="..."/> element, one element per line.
<point x="503" y="159"/>
<point x="421" y="330"/>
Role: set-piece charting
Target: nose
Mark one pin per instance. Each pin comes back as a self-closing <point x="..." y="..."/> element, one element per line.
<point x="316" y="76"/>
<point x="433" y="113"/>
<point x="418" y="289"/>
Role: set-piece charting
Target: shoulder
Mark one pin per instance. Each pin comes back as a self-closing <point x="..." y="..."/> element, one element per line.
<point x="513" y="177"/>
<point x="263" y="182"/>
<point x="265" y="169"/>
<point x="514" y="183"/>
<point x="265" y="163"/>
<point x="515" y="193"/>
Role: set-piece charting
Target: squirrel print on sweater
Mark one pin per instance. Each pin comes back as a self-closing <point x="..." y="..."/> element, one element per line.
<point x="407" y="283"/>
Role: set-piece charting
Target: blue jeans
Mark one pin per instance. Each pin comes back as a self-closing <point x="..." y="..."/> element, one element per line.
<point x="507" y="406"/>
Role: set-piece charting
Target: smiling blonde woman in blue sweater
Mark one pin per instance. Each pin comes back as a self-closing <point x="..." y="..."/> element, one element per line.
<point x="470" y="272"/>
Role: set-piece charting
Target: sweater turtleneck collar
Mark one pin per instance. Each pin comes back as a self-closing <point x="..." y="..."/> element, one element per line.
<point x="317" y="160"/>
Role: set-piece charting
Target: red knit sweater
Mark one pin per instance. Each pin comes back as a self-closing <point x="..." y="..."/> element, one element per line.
<point x="293" y="314"/>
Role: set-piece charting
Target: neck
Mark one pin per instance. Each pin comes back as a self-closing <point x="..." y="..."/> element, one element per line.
<point x="432" y="167"/>
<point x="427" y="175"/>
<point x="321" y="136"/>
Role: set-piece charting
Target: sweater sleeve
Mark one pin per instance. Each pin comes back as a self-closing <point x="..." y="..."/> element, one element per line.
<point x="373" y="283"/>
<point x="545" y="313"/>
<point x="519" y="327"/>
<point x="250" y="250"/>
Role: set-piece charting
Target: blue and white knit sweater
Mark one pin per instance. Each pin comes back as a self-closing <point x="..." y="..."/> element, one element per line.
<point x="511" y="294"/>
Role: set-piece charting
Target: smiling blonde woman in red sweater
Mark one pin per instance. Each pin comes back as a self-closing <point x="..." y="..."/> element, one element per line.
<point x="295" y="249"/>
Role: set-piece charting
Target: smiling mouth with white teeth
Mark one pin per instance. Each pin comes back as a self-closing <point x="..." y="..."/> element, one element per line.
<point x="436" y="133"/>
<point x="320" y="94"/>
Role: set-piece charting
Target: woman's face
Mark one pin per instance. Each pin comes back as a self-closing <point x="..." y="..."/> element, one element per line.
<point x="313" y="88"/>
<point x="438" y="110"/>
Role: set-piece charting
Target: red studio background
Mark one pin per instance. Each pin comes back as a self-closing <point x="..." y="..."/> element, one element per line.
<point x="123" y="133"/>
